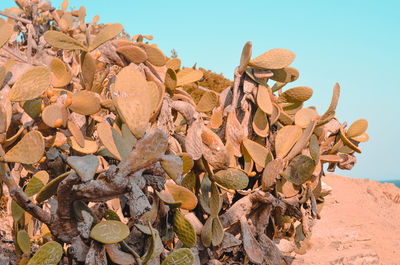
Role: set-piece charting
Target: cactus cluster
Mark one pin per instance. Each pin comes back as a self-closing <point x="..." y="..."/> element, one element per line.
<point x="113" y="153"/>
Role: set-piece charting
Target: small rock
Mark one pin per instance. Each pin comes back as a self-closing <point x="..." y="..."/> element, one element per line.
<point x="285" y="246"/>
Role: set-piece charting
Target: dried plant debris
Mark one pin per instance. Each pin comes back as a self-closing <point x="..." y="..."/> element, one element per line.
<point x="113" y="153"/>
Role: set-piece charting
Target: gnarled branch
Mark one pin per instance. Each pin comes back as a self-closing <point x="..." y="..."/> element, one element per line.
<point x="20" y="197"/>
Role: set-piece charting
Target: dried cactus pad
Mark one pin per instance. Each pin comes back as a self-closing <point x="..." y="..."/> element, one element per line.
<point x="33" y="108"/>
<point x="109" y="232"/>
<point x="207" y="102"/>
<point x="212" y="233"/>
<point x="174" y="64"/>
<point x="23" y="241"/>
<point x="112" y="140"/>
<point x="285" y="75"/>
<point x="257" y="152"/>
<point x="273" y="59"/>
<point x="154" y="55"/>
<point x="232" y="178"/>
<point x="152" y="146"/>
<point x="347" y="141"/>
<point x="107" y="33"/>
<point x="357" y="128"/>
<point x="133" y="97"/>
<point x="31" y="84"/>
<point x="182" y="256"/>
<point x="89" y="147"/>
<point x="260" y="123"/>
<point x="85" y="102"/>
<point x="76" y="132"/>
<point x="6" y="30"/>
<point x="286" y="138"/>
<point x="300" y="170"/>
<point x="334" y="101"/>
<point x="32" y="141"/>
<point x="217" y="232"/>
<point x="173" y="166"/>
<point x="60" y="74"/>
<point x="188" y="75"/>
<point x="182" y="194"/>
<point x="117" y="256"/>
<point x="184" y="229"/>
<point x="133" y="54"/>
<point x="245" y="57"/>
<point x="303" y="117"/>
<point x="55" y="115"/>
<point x="264" y="100"/>
<point x="36" y="183"/>
<point x="49" y="253"/>
<point x="61" y="41"/>
<point x="50" y="188"/>
<point x="296" y="94"/>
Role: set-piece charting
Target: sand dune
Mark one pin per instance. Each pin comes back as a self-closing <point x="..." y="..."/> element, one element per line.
<point x="360" y="225"/>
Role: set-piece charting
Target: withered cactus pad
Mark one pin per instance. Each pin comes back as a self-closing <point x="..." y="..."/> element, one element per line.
<point x="111" y="152"/>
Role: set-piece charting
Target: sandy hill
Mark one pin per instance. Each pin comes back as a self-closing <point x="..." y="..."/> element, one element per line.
<point x="360" y="225"/>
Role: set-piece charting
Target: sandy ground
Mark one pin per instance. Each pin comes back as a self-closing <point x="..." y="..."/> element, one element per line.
<point x="360" y="225"/>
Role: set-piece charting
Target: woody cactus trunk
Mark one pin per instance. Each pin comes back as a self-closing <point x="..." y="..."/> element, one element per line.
<point x="106" y="143"/>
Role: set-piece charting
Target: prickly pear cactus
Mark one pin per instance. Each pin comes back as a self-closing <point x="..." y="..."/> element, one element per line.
<point x="113" y="153"/>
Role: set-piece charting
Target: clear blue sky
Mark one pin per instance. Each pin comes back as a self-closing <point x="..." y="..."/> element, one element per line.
<point x="355" y="43"/>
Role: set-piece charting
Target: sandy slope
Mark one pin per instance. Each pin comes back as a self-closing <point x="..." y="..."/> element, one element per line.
<point x="360" y="225"/>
